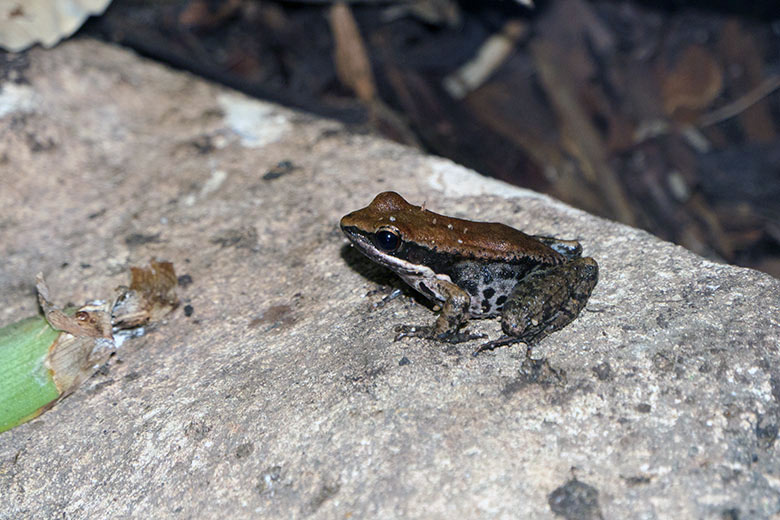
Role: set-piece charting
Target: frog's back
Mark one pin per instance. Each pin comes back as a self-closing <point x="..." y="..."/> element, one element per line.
<point x="485" y="241"/>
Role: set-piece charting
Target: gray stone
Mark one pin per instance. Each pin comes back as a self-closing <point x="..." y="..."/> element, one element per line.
<point x="280" y="394"/>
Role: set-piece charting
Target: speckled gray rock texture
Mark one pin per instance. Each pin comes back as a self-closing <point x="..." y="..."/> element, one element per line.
<point x="280" y="392"/>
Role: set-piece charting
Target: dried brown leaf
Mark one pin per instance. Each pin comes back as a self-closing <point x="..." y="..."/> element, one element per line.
<point x="694" y="82"/>
<point x="352" y="63"/>
<point x="86" y="322"/>
<point x="151" y="295"/>
<point x="85" y="343"/>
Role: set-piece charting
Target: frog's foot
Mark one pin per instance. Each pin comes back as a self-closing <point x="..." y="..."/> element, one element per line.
<point x="390" y="297"/>
<point x="429" y="332"/>
<point x="503" y="341"/>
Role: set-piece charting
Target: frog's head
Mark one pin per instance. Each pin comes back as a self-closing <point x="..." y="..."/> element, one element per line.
<point x="383" y="230"/>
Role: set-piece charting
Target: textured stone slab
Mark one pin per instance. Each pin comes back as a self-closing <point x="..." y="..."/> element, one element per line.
<point x="283" y="395"/>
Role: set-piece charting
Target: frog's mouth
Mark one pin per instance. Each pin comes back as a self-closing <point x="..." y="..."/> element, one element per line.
<point x="403" y="268"/>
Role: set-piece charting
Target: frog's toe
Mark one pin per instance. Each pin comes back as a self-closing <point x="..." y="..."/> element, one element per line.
<point x="458" y="337"/>
<point x="413" y="331"/>
<point x="503" y="341"/>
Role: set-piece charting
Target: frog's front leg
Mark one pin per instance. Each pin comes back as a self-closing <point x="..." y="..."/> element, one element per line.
<point x="545" y="301"/>
<point x="454" y="313"/>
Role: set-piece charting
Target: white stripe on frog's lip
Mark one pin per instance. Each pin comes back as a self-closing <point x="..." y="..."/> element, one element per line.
<point x="410" y="272"/>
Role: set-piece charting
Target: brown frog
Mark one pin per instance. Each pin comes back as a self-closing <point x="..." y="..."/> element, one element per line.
<point x="471" y="269"/>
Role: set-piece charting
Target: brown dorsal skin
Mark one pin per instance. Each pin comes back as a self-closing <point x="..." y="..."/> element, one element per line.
<point x="478" y="240"/>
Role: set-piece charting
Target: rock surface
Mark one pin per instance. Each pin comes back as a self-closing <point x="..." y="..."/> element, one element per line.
<point x="278" y="392"/>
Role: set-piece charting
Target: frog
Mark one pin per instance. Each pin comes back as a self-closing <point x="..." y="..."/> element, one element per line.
<point x="470" y="269"/>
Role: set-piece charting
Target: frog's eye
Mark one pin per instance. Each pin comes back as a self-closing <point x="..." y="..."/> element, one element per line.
<point x="388" y="239"/>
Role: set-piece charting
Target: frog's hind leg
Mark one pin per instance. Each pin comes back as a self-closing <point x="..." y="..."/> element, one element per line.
<point x="545" y="301"/>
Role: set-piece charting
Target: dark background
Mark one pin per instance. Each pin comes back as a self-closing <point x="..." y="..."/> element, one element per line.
<point x="662" y="115"/>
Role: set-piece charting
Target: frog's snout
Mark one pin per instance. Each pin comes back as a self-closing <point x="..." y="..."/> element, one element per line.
<point x="348" y="221"/>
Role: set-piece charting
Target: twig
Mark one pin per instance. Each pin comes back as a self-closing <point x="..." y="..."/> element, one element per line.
<point x="578" y="135"/>
<point x="490" y="57"/>
<point x="741" y="104"/>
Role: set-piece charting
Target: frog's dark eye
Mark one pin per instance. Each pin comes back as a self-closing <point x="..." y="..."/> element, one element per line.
<point x="388" y="240"/>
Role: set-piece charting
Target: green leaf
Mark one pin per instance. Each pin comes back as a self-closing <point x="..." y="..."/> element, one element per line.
<point x="26" y="385"/>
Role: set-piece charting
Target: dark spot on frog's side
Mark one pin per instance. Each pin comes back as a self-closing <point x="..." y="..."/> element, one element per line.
<point x="506" y="272"/>
<point x="470" y="286"/>
<point x="489" y="293"/>
<point x="486" y="306"/>
<point x="501" y="300"/>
